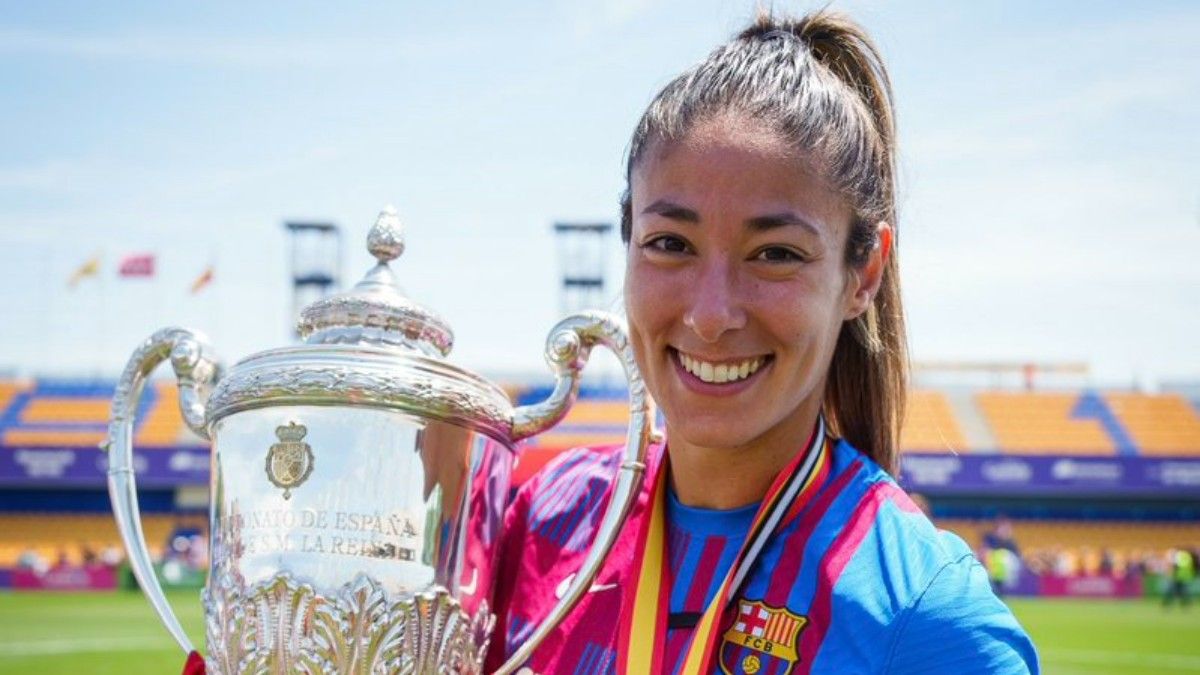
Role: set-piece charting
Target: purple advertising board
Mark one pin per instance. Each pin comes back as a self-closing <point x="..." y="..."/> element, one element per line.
<point x="995" y="474"/>
<point x="1091" y="586"/>
<point x="67" y="578"/>
<point x="927" y="473"/>
<point x="87" y="466"/>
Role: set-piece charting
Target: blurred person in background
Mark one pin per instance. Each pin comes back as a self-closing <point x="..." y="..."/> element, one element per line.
<point x="87" y="554"/>
<point x="1135" y="564"/>
<point x="1066" y="563"/>
<point x="1001" y="536"/>
<point x="33" y="561"/>
<point x="1181" y="573"/>
<point x="764" y="312"/>
<point x="112" y="556"/>
<point x="197" y="552"/>
<point x="1108" y="563"/>
<point x="1004" y="567"/>
<point x="1001" y="556"/>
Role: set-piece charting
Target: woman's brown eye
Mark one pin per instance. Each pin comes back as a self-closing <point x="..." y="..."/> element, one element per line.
<point x="779" y="254"/>
<point x="668" y="244"/>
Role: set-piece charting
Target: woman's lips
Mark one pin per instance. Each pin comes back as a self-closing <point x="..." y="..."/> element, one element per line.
<point x="718" y="378"/>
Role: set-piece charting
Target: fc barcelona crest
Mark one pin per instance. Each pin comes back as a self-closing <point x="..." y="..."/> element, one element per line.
<point x="763" y="639"/>
<point x="290" y="461"/>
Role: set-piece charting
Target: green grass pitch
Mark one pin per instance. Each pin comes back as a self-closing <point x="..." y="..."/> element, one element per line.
<point x="100" y="633"/>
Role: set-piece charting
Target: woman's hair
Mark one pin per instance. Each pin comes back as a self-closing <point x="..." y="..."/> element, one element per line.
<point x="820" y="83"/>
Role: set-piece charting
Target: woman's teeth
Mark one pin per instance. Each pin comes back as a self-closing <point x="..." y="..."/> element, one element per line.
<point x="719" y="373"/>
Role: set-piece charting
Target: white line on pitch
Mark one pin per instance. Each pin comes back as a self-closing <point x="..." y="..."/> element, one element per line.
<point x="1183" y="662"/>
<point x="73" y="646"/>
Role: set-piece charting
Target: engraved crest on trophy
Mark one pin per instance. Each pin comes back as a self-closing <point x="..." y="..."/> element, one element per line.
<point x="290" y="461"/>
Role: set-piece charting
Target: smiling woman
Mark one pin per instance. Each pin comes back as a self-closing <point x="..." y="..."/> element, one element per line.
<point x="737" y="260"/>
<point x="764" y="312"/>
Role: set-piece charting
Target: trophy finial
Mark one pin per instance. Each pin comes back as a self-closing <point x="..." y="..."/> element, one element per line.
<point x="385" y="241"/>
<point x="376" y="311"/>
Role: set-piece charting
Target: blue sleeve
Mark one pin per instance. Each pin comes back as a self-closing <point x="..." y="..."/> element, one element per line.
<point x="958" y="625"/>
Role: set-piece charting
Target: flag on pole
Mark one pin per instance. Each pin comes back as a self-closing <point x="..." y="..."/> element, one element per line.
<point x="137" y="265"/>
<point x="89" y="268"/>
<point x="203" y="280"/>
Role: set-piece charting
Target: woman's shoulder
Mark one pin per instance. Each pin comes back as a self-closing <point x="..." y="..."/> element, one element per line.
<point x="894" y="535"/>
<point x="896" y="517"/>
<point x="932" y="597"/>
<point x="958" y="623"/>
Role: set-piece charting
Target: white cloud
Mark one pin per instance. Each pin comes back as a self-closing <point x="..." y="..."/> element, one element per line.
<point x="588" y="18"/>
<point x="1020" y="129"/>
<point x="222" y="51"/>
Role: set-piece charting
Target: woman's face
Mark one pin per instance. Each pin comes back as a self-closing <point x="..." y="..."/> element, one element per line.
<point x="736" y="286"/>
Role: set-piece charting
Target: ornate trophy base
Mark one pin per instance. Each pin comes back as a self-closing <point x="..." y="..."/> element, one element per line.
<point x="282" y="626"/>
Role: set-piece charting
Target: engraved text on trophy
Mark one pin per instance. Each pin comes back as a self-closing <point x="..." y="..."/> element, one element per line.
<point x="385" y="536"/>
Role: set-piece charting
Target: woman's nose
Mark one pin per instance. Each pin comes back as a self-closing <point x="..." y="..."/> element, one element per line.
<point x="714" y="307"/>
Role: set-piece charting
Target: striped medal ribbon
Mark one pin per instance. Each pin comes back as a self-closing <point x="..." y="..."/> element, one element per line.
<point x="645" y="628"/>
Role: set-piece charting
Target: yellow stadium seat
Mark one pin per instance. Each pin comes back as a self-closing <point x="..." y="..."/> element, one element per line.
<point x="9" y="391"/>
<point x="38" y="437"/>
<point x="1093" y="534"/>
<point x="163" y="423"/>
<point x="1041" y="423"/>
<point x="1164" y="424"/>
<point x="929" y="424"/>
<point x="615" y="413"/>
<point x="52" y="409"/>
<point x="54" y="534"/>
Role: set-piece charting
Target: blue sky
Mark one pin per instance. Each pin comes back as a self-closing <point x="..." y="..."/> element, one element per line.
<point x="1050" y="192"/>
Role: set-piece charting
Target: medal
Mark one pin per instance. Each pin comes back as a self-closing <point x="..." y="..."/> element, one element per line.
<point x="644" y="625"/>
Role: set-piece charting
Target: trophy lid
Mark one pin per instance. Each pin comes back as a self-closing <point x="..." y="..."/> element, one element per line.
<point x="376" y="311"/>
<point x="368" y="347"/>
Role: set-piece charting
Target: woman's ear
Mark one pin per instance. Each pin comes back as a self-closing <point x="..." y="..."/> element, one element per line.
<point x="866" y="279"/>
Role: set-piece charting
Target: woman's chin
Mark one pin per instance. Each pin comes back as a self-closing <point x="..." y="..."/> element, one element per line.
<point x="715" y="436"/>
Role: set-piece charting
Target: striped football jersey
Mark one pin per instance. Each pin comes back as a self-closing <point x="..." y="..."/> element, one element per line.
<point x="855" y="580"/>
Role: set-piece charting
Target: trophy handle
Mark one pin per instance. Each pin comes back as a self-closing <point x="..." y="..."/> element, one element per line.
<point x="196" y="369"/>
<point x="567" y="351"/>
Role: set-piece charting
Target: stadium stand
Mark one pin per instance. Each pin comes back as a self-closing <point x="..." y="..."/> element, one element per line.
<point x="1046" y="423"/>
<point x="52" y="535"/>
<point x="1044" y="534"/>
<point x="9" y="391"/>
<point x="1082" y="534"/>
<point x="1165" y="424"/>
<point x="1086" y="547"/>
<point x="54" y="413"/>
<point x="930" y="424"/>
<point x="163" y="425"/>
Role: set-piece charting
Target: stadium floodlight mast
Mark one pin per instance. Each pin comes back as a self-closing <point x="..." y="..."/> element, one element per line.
<point x="581" y="259"/>
<point x="316" y="263"/>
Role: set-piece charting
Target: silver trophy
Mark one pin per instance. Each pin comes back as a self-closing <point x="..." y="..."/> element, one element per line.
<point x="358" y="484"/>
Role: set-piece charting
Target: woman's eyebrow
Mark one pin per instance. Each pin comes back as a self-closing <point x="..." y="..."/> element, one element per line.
<point x="671" y="210"/>
<point x="775" y="220"/>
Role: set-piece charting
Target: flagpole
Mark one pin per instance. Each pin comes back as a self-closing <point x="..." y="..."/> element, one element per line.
<point x="214" y="305"/>
<point x="158" y="291"/>
<point x="102" y="332"/>
<point x="44" y="332"/>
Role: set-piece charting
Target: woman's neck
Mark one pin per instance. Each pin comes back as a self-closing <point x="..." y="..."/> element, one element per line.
<point x="726" y="478"/>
